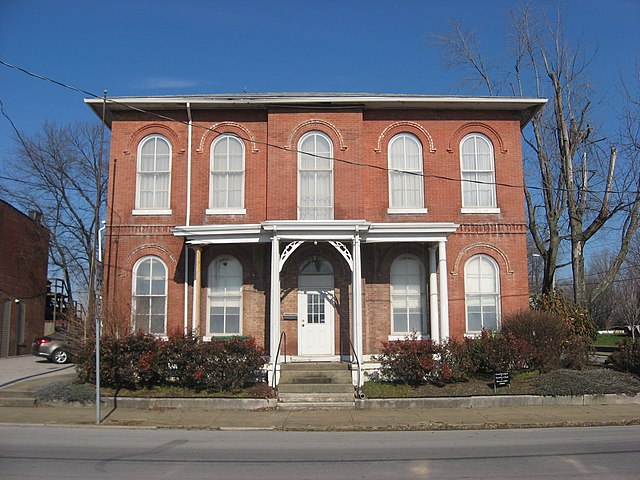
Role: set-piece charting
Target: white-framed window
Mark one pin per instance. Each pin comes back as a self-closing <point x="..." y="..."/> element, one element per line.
<point x="315" y="177"/>
<point x="406" y="181"/>
<point x="408" y="299"/>
<point x="224" y="297"/>
<point x="150" y="296"/>
<point x="482" y="293"/>
<point x="226" y="185"/>
<point x="153" y="183"/>
<point x="478" y="173"/>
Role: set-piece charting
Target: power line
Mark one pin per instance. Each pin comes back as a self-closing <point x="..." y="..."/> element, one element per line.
<point x="279" y="147"/>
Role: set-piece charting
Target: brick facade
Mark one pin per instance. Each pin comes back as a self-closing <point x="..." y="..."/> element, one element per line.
<point x="360" y="129"/>
<point x="24" y="250"/>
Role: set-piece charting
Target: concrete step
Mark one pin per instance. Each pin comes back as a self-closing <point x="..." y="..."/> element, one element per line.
<point x="315" y="388"/>
<point x="326" y="376"/>
<point x="316" y="406"/>
<point x="17" y="402"/>
<point x="313" y="366"/>
<point x="315" y="398"/>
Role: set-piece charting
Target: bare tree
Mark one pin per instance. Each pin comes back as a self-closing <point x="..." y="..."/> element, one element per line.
<point x="578" y="186"/>
<point x="58" y="172"/>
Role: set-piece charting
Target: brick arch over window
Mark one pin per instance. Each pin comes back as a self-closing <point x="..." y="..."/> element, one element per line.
<point x="151" y="249"/>
<point x="227" y="127"/>
<point x="481" y="248"/>
<point x="387" y="258"/>
<point x="402" y="127"/>
<point x="241" y="254"/>
<point x="155" y="129"/>
<point x="475" y="127"/>
<point x="316" y="124"/>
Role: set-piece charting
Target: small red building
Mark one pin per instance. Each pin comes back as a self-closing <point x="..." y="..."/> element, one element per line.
<point x="24" y="254"/>
<point x="340" y="220"/>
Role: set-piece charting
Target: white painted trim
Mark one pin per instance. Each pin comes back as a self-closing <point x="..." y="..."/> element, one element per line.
<point x="434" y="316"/>
<point x="444" y="290"/>
<point x="477" y="210"/>
<point x="408" y="336"/>
<point x="226" y="211"/>
<point x="139" y="211"/>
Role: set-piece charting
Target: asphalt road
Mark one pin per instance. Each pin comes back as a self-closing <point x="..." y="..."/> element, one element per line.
<point x="123" y="453"/>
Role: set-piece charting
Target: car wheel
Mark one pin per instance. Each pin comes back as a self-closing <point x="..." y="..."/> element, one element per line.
<point x="59" y="357"/>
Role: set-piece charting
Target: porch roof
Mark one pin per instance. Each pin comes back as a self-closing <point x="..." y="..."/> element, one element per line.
<point x="369" y="232"/>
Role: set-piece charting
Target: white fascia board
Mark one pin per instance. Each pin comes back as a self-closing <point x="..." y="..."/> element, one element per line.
<point x="409" y="232"/>
<point x="212" y="234"/>
<point x="316" y="230"/>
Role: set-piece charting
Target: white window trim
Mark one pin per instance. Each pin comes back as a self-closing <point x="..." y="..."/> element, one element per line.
<point x="211" y="172"/>
<point x="476" y="333"/>
<point x="479" y="210"/>
<point x="134" y="293"/>
<point x="411" y="336"/>
<point x="137" y="199"/>
<point x="423" y="300"/>
<point x="421" y="172"/>
<point x="145" y="211"/>
<point x="208" y="335"/>
<point x="332" y="181"/>
<point x="226" y="211"/>
<point x="406" y="211"/>
<point x="476" y="209"/>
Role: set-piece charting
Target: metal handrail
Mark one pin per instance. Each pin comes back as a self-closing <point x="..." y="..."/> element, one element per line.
<point x="359" y="393"/>
<point x="275" y="363"/>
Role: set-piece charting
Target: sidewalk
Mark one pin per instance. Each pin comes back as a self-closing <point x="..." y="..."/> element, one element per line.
<point x="321" y="420"/>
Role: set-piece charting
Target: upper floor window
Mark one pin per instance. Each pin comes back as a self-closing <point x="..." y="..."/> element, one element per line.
<point x="406" y="182"/>
<point x="226" y="188"/>
<point x="482" y="293"/>
<point x="408" y="299"/>
<point x="315" y="177"/>
<point x="154" y="174"/>
<point x="150" y="296"/>
<point x="224" y="300"/>
<point x="478" y="172"/>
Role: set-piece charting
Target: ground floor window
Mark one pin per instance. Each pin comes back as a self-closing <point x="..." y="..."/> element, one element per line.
<point x="224" y="297"/>
<point x="482" y="293"/>
<point x="407" y="296"/>
<point x="150" y="296"/>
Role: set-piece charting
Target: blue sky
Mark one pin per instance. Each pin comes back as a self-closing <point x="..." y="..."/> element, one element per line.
<point x="168" y="47"/>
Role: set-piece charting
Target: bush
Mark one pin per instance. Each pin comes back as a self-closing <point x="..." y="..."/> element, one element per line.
<point x="577" y="318"/>
<point x="140" y="361"/>
<point x="627" y="358"/>
<point x="408" y="361"/>
<point x="456" y="361"/>
<point x="495" y="352"/>
<point x="66" y="391"/>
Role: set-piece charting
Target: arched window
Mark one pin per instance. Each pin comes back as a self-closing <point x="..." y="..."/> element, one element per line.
<point x="406" y="183"/>
<point x="224" y="299"/>
<point x="154" y="174"/>
<point x="315" y="177"/>
<point x="150" y="296"/>
<point x="407" y="296"/>
<point x="226" y="189"/>
<point x="478" y="172"/>
<point x="482" y="293"/>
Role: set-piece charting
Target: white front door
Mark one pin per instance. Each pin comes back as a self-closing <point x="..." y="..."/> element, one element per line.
<point x="316" y="316"/>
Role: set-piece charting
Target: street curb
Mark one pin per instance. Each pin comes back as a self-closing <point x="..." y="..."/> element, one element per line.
<point x="190" y="403"/>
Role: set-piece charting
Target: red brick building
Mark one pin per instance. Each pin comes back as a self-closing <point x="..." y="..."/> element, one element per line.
<point x="24" y="255"/>
<point x="340" y="220"/>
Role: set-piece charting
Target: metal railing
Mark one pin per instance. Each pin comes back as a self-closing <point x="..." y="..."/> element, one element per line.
<point x="283" y="335"/>
<point x="359" y="393"/>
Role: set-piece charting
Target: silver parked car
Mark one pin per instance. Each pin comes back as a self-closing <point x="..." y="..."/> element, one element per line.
<point x="53" y="347"/>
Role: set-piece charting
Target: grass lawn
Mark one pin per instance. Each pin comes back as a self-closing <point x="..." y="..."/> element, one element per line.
<point x="608" y="340"/>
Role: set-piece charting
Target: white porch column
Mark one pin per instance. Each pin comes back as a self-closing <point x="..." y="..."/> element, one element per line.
<point x="433" y="296"/>
<point x="356" y="289"/>
<point x="197" y="282"/>
<point x="444" y="292"/>
<point x="274" y="333"/>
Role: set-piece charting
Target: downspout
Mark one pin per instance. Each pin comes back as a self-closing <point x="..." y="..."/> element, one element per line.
<point x="188" y="221"/>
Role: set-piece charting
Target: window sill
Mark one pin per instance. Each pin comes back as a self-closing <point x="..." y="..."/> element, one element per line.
<point x="226" y="211"/>
<point x="214" y="336"/>
<point x="408" y="336"/>
<point x="405" y="211"/>
<point x="479" y="210"/>
<point x="139" y="211"/>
